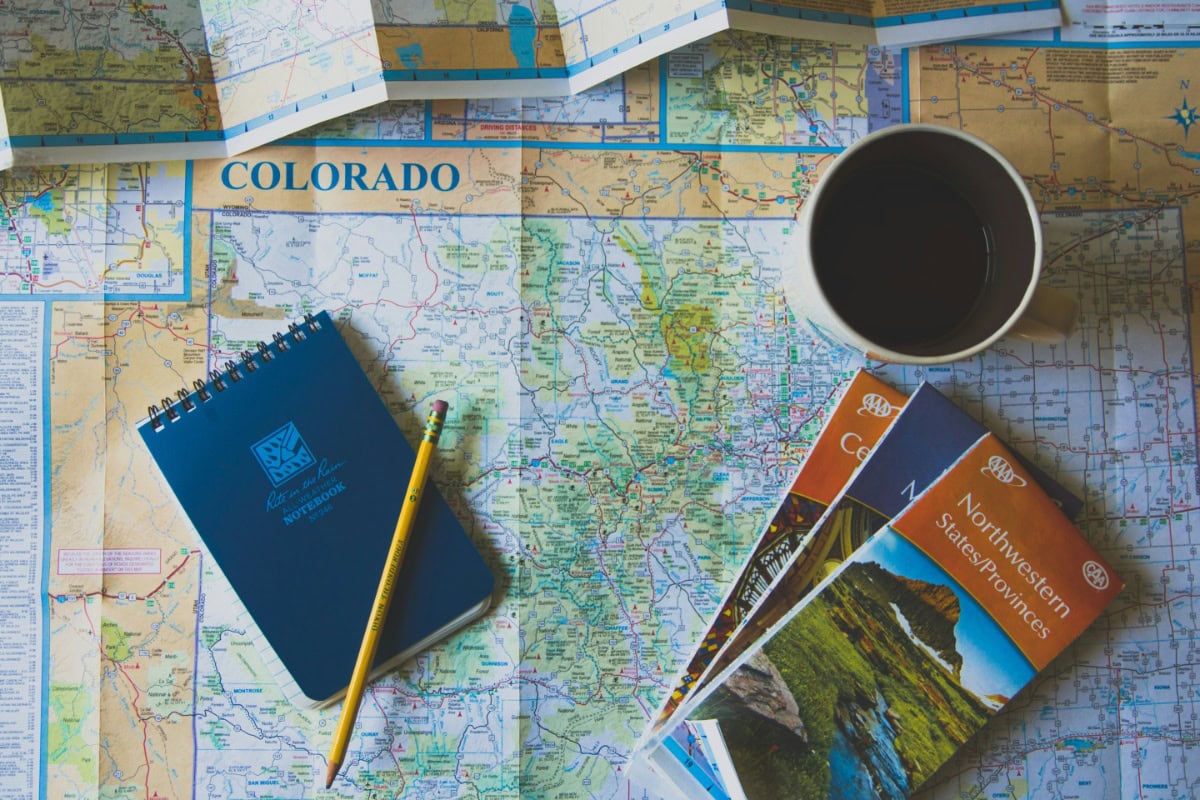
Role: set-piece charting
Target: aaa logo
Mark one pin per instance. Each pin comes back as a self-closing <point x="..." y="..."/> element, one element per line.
<point x="283" y="454"/>
<point x="999" y="468"/>
<point x="876" y="405"/>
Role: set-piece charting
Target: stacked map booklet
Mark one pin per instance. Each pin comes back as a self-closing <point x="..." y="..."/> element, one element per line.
<point x="135" y="81"/>
<point x="917" y="575"/>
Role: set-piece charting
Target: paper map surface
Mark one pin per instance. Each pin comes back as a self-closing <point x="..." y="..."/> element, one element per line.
<point x="197" y="77"/>
<point x="592" y="284"/>
<point x="201" y="79"/>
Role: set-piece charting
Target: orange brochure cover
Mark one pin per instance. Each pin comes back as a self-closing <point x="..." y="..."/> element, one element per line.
<point x="1013" y="551"/>
<point x="865" y="410"/>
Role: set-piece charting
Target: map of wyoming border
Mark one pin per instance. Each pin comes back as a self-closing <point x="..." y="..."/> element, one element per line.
<point x="609" y="354"/>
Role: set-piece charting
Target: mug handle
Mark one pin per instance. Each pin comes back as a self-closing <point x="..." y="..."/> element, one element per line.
<point x="1050" y="317"/>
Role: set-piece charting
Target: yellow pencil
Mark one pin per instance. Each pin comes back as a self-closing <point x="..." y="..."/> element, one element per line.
<point x="383" y="595"/>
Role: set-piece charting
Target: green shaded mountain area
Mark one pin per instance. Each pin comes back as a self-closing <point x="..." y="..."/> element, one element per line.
<point x="879" y="714"/>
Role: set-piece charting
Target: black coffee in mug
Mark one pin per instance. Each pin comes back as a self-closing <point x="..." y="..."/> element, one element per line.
<point x="901" y="255"/>
<point x="921" y="245"/>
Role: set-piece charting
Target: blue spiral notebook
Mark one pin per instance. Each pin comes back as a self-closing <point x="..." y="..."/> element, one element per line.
<point x="293" y="472"/>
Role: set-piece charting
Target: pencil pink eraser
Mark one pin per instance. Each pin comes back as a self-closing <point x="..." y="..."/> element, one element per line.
<point x="440" y="407"/>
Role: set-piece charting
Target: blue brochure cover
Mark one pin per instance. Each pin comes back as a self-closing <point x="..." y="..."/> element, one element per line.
<point x="293" y="472"/>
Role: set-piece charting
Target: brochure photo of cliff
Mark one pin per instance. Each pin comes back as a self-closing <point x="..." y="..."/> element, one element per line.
<point x="875" y="654"/>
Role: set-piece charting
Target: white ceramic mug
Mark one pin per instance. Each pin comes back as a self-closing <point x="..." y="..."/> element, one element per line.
<point x="922" y="245"/>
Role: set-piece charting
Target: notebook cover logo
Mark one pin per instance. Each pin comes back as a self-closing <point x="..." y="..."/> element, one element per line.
<point x="283" y="454"/>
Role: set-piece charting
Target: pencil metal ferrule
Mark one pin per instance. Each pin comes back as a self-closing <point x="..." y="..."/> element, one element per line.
<point x="433" y="427"/>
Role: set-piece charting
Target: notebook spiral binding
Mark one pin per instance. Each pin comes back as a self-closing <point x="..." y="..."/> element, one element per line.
<point x="171" y="409"/>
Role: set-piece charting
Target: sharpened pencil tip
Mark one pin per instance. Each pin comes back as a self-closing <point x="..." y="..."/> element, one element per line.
<point x="331" y="773"/>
